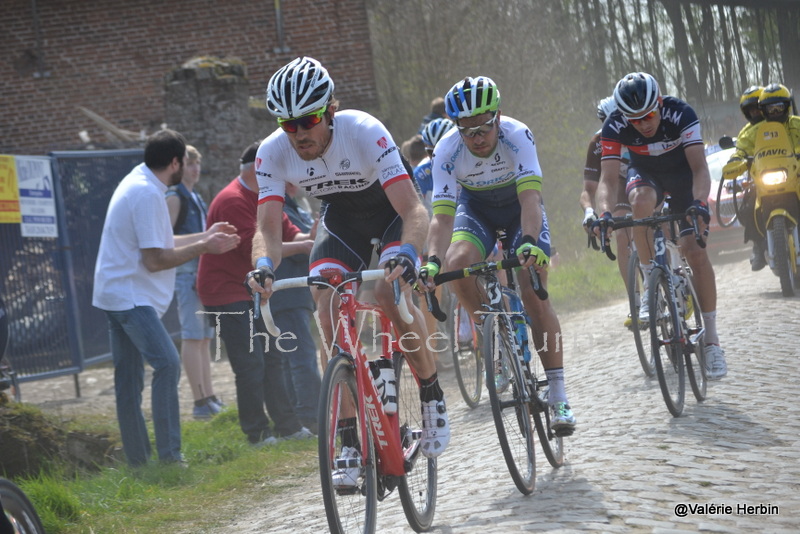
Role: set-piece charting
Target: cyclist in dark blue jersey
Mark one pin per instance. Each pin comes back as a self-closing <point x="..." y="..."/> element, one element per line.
<point x="667" y="157"/>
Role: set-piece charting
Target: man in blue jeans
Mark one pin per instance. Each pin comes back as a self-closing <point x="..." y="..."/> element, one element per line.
<point x="134" y="280"/>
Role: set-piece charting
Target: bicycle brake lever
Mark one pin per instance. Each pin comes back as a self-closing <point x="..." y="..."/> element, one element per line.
<point x="257" y="306"/>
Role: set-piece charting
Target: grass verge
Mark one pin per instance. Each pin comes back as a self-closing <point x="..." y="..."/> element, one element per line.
<point x="223" y="469"/>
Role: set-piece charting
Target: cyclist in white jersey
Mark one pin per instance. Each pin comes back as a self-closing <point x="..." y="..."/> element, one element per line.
<point x="494" y="160"/>
<point x="353" y="165"/>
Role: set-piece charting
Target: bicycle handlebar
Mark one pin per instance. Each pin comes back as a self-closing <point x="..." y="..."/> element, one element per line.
<point x="485" y="267"/>
<point x="305" y="281"/>
<point x="618" y="223"/>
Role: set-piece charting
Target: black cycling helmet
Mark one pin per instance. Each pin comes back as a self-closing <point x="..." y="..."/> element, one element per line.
<point x="637" y="94"/>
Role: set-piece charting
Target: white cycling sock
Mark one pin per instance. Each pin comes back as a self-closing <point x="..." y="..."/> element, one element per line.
<point x="555" y="379"/>
<point x="710" y="322"/>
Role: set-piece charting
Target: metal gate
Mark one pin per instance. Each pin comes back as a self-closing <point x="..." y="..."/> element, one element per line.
<point x="46" y="284"/>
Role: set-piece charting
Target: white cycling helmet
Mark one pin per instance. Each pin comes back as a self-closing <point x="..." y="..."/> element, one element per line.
<point x="606" y="107"/>
<point x="298" y="88"/>
<point x="434" y="130"/>
<point x="637" y="94"/>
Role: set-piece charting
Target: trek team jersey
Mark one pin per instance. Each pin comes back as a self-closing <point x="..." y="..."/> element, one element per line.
<point x="360" y="162"/>
<point x="494" y="181"/>
<point x="664" y="153"/>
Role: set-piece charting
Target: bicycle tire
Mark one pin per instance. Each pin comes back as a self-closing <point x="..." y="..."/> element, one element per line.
<point x="418" y="488"/>
<point x="18" y="509"/>
<point x="665" y="345"/>
<point x="510" y="408"/>
<point x="635" y="288"/>
<point x="785" y="253"/>
<point x="353" y="510"/>
<point x="726" y="214"/>
<point x="467" y="361"/>
<point x="696" y="354"/>
<point x="552" y="445"/>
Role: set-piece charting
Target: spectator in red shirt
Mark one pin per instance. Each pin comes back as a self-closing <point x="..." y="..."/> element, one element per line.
<point x="259" y="373"/>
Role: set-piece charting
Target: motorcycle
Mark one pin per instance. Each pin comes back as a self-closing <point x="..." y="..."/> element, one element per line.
<point x="775" y="175"/>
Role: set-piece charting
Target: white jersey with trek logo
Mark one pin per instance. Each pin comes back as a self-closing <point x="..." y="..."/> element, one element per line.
<point x="495" y="180"/>
<point x="360" y="162"/>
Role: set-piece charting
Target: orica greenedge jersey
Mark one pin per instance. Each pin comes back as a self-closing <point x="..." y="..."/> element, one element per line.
<point x="360" y="162"/>
<point x="494" y="181"/>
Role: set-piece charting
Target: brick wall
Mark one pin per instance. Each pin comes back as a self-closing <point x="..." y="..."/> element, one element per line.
<point x="112" y="56"/>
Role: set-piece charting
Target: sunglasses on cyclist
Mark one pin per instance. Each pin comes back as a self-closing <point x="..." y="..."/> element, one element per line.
<point x="481" y="130"/>
<point x="777" y="107"/>
<point x="643" y="118"/>
<point x="306" y="121"/>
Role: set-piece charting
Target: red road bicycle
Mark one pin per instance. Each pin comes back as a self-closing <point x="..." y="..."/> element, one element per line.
<point x="390" y="455"/>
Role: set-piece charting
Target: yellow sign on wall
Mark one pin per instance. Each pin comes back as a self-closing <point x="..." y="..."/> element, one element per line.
<point x="9" y="191"/>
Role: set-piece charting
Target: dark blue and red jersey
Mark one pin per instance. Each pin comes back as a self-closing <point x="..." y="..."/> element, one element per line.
<point x="664" y="153"/>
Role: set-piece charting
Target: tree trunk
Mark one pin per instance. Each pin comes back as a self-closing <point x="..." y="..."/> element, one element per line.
<point x="789" y="40"/>
<point x="737" y="46"/>
<point x="659" y="65"/>
<point x="727" y="60"/>
<point x="682" y="50"/>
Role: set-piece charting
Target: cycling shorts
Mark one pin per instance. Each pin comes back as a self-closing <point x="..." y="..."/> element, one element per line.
<point x="677" y="186"/>
<point x="477" y="223"/>
<point x="345" y="244"/>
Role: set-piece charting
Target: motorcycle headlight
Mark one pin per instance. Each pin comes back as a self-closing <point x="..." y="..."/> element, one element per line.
<point x="774" y="177"/>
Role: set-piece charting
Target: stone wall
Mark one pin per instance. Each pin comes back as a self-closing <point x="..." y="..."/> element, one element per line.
<point x="207" y="100"/>
<point x="112" y="56"/>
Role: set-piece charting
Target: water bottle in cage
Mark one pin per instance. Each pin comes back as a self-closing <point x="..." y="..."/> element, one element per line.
<point x="522" y="336"/>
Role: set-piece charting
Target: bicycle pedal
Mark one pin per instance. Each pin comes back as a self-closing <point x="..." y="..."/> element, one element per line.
<point x="563" y="432"/>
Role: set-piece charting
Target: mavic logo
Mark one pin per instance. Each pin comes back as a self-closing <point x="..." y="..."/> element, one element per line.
<point x="382" y="142"/>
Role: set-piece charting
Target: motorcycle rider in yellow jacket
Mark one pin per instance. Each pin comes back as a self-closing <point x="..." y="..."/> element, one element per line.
<point x="774" y="104"/>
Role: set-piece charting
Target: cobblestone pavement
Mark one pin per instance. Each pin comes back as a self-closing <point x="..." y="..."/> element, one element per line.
<point x="630" y="464"/>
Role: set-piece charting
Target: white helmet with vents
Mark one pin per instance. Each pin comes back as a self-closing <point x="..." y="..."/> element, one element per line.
<point x="298" y="88"/>
<point x="637" y="94"/>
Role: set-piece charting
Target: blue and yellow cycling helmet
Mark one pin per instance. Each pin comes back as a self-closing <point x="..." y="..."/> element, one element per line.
<point x="470" y="97"/>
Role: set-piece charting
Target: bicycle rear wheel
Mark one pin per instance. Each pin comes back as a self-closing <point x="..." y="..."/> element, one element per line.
<point x="467" y="359"/>
<point x="726" y="207"/>
<point x="696" y="351"/>
<point x="552" y="445"/>
<point x="510" y="405"/>
<point x="635" y="290"/>
<point x="666" y="346"/>
<point x="418" y="488"/>
<point x="353" y="508"/>
<point x="18" y="509"/>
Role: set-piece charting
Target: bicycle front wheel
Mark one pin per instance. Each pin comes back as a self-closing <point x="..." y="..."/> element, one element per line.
<point x="666" y="345"/>
<point x="18" y="509"/>
<point x="635" y="291"/>
<point x="552" y="445"/>
<point x="509" y="400"/>
<point x="467" y="357"/>
<point x="417" y="489"/>
<point x="349" y="483"/>
<point x="696" y="348"/>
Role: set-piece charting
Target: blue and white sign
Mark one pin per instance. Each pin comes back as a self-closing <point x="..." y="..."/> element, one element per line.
<point x="36" y="200"/>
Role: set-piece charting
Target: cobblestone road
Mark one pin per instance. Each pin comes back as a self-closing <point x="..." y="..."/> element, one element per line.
<point x="630" y="464"/>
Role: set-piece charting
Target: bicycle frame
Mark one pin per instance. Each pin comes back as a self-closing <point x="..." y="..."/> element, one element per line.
<point x="384" y="428"/>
